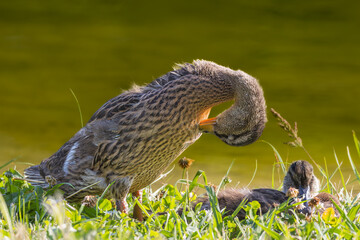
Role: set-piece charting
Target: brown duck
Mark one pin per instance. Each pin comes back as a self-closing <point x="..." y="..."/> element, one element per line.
<point x="134" y="137"/>
<point x="299" y="176"/>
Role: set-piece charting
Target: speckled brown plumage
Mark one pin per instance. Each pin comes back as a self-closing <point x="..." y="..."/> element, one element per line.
<point x="133" y="137"/>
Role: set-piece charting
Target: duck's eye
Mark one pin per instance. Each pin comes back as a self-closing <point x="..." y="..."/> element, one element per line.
<point x="231" y="137"/>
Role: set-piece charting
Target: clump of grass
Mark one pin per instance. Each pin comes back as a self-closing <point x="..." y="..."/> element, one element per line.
<point x="30" y="212"/>
<point x="56" y="219"/>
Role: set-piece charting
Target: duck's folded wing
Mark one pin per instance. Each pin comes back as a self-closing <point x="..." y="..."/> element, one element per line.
<point x="118" y="104"/>
<point x="111" y="131"/>
<point x="107" y="157"/>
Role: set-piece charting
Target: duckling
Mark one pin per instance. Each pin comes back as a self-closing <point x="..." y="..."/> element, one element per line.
<point x="231" y="198"/>
<point x="135" y="136"/>
<point x="300" y="176"/>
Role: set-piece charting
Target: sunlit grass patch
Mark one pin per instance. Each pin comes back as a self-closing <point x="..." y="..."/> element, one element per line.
<point x="29" y="212"/>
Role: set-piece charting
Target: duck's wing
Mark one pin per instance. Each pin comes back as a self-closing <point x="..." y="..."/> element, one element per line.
<point x="109" y="148"/>
<point x="118" y="104"/>
<point x="106" y="155"/>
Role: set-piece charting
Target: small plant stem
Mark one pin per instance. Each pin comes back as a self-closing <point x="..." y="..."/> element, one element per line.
<point x="187" y="201"/>
<point x="78" y="105"/>
<point x="82" y="189"/>
<point x="28" y="180"/>
<point x="307" y="153"/>
<point x="182" y="177"/>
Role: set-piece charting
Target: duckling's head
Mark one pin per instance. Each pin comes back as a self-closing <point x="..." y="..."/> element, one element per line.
<point x="301" y="176"/>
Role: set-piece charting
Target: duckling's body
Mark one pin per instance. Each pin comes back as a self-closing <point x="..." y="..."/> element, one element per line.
<point x="300" y="175"/>
<point x="231" y="198"/>
<point x="133" y="137"/>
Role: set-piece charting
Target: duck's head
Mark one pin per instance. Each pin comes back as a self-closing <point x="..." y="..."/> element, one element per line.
<point x="231" y="133"/>
<point x="244" y="122"/>
<point x="301" y="176"/>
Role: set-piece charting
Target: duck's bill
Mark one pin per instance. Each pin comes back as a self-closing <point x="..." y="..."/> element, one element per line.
<point x="207" y="125"/>
<point x="304" y="194"/>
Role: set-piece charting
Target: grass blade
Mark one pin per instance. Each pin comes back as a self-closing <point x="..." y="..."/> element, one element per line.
<point x="194" y="181"/>
<point x="101" y="197"/>
<point x="341" y="175"/>
<point x="225" y="179"/>
<point x="327" y="177"/>
<point x="353" y="165"/>
<point x="253" y="176"/>
<point x="357" y="143"/>
<point x="4" y="165"/>
<point x="353" y="212"/>
<point x="215" y="207"/>
<point x="5" y="213"/>
<point x="238" y="209"/>
<point x="344" y="215"/>
<point x="79" y="108"/>
<point x="277" y="154"/>
<point x="270" y="232"/>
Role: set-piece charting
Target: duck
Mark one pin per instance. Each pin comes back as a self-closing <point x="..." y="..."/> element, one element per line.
<point x="131" y="139"/>
<point x="299" y="179"/>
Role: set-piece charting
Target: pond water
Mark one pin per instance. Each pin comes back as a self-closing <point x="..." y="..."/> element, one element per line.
<point x="305" y="55"/>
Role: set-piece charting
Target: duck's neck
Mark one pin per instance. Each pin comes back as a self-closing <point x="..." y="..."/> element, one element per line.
<point x="249" y="108"/>
<point x="207" y="93"/>
<point x="203" y="93"/>
<point x="196" y="88"/>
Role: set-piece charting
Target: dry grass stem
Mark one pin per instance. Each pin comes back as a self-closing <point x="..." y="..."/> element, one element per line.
<point x="292" y="132"/>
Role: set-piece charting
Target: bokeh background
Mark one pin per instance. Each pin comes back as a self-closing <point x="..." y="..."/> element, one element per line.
<point x="306" y="55"/>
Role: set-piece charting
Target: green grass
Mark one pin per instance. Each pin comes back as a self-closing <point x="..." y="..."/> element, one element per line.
<point x="29" y="212"/>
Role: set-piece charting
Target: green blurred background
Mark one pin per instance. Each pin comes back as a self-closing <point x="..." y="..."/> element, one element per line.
<point x="304" y="53"/>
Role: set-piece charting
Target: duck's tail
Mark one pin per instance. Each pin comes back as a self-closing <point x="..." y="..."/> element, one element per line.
<point x="33" y="176"/>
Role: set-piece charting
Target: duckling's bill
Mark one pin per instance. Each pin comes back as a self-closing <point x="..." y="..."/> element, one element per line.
<point x="304" y="194"/>
<point x="207" y="125"/>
